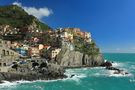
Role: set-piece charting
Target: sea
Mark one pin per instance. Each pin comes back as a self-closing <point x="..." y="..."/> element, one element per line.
<point x="97" y="78"/>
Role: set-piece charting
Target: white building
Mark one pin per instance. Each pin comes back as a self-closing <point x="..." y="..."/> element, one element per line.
<point x="64" y="35"/>
<point x="55" y="52"/>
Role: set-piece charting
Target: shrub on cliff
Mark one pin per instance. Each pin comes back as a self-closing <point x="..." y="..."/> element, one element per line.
<point x="84" y="47"/>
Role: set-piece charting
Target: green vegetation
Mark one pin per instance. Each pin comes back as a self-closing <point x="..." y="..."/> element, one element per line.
<point x="84" y="47"/>
<point x="15" y="16"/>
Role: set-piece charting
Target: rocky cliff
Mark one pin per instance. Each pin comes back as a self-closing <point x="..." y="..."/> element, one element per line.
<point x="68" y="58"/>
<point x="84" y="52"/>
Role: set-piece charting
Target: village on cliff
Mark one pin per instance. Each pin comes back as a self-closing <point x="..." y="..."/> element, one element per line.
<point x="30" y="49"/>
<point x="12" y="52"/>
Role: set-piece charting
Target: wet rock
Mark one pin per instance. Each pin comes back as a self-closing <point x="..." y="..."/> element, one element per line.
<point x="112" y="68"/>
<point x="106" y="64"/>
<point x="72" y="76"/>
<point x="117" y="71"/>
<point x="121" y="72"/>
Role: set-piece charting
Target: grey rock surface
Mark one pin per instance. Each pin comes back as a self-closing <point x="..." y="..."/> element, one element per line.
<point x="69" y="58"/>
<point x="52" y="71"/>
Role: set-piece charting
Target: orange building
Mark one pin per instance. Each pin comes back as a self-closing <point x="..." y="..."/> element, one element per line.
<point x="34" y="52"/>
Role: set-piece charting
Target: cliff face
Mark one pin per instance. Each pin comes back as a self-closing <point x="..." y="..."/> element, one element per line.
<point x="84" y="51"/>
<point x="69" y="58"/>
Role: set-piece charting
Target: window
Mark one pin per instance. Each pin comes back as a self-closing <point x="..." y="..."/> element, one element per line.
<point x="7" y="52"/>
<point x="4" y="64"/>
<point x="3" y="52"/>
<point x="0" y="64"/>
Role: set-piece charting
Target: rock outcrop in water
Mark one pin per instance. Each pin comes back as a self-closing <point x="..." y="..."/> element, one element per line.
<point x="109" y="66"/>
<point x="106" y="64"/>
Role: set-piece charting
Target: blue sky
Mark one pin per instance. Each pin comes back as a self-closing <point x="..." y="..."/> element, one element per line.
<point x="111" y="22"/>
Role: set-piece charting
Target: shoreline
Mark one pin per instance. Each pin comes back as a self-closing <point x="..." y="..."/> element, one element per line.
<point x="11" y="77"/>
<point x="48" y="79"/>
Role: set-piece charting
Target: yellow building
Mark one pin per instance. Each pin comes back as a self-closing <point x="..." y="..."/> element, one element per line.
<point x="67" y="36"/>
<point x="34" y="52"/>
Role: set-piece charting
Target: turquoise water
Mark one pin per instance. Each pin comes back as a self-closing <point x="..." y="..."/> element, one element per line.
<point x="87" y="78"/>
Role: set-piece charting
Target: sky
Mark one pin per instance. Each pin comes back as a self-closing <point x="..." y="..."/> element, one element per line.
<point x="111" y="22"/>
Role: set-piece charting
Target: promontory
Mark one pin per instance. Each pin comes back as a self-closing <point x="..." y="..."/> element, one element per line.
<point x="32" y="50"/>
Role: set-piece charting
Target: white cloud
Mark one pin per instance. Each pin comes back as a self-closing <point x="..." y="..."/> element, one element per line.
<point x="37" y="12"/>
<point x="17" y="3"/>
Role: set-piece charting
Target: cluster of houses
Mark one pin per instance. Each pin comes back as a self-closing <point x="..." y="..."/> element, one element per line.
<point x="6" y="30"/>
<point x="11" y="51"/>
<point x="68" y="34"/>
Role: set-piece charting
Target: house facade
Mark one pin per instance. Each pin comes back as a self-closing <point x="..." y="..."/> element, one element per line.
<point x="7" y="57"/>
<point x="34" y="52"/>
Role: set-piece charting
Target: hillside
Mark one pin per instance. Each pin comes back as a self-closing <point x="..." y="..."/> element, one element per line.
<point x="16" y="24"/>
<point x="16" y="17"/>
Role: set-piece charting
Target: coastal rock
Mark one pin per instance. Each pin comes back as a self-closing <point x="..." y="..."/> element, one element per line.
<point x="97" y="60"/>
<point x="52" y="71"/>
<point x="106" y="64"/>
<point x="71" y="59"/>
<point x="113" y="68"/>
<point x="117" y="71"/>
<point x="76" y="59"/>
<point x="55" y="70"/>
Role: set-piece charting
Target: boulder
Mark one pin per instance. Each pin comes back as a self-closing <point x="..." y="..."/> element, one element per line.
<point x="106" y="64"/>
